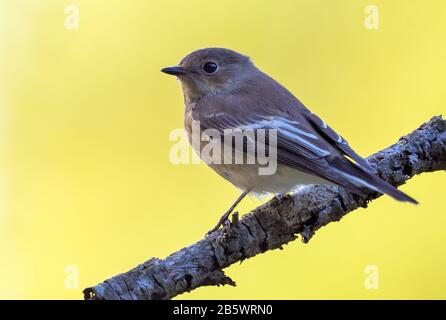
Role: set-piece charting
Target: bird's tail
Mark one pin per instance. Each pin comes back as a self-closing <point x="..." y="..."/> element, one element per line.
<point x="362" y="178"/>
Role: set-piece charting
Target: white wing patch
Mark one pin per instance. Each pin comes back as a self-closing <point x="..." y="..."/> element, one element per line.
<point x="289" y="129"/>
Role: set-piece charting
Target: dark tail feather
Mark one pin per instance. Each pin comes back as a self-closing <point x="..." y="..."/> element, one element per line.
<point x="390" y="190"/>
<point x="360" y="177"/>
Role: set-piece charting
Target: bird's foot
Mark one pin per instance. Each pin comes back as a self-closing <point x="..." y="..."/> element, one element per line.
<point x="224" y="218"/>
<point x="224" y="221"/>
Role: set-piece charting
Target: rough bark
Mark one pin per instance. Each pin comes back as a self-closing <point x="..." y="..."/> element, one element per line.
<point x="273" y="224"/>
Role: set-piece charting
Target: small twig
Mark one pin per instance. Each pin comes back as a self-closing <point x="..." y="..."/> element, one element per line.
<point x="235" y="219"/>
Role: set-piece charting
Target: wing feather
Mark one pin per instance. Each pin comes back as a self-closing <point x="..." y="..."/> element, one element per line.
<point x="336" y="140"/>
<point x="301" y="151"/>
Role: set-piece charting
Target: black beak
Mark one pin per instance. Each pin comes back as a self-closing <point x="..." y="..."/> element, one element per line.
<point x="174" y="71"/>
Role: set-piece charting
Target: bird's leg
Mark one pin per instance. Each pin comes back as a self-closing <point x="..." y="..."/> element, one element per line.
<point x="225" y="216"/>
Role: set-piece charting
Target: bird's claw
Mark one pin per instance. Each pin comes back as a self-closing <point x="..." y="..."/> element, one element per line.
<point x="224" y="222"/>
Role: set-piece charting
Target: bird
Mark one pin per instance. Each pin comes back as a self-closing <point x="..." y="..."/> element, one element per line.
<point x="224" y="90"/>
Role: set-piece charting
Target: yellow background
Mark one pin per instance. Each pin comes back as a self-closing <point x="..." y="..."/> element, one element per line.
<point x="85" y="117"/>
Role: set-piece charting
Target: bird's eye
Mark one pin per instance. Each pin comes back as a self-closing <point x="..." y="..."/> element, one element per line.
<point x="210" y="67"/>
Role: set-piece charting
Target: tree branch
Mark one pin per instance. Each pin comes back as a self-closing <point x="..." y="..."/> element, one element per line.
<point x="273" y="224"/>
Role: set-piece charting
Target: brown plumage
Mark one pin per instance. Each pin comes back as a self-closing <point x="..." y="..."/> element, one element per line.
<point x="238" y="95"/>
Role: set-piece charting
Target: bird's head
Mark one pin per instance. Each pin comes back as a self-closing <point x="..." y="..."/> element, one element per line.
<point x="211" y="71"/>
